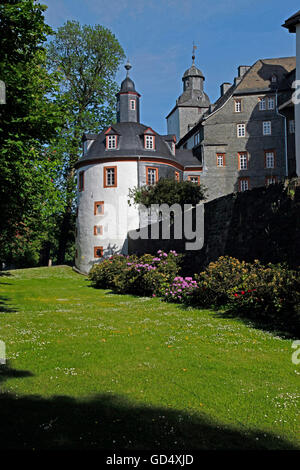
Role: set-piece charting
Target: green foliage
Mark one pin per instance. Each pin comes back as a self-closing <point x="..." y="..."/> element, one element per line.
<point x="167" y="191"/>
<point x="146" y="275"/>
<point x="29" y="121"/>
<point x="270" y="294"/>
<point x="86" y="59"/>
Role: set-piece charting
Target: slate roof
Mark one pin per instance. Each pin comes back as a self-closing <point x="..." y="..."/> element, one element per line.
<point x="256" y="80"/>
<point x="258" y="77"/>
<point x="193" y="71"/>
<point x="131" y="143"/>
<point x="127" y="85"/>
<point x="291" y="22"/>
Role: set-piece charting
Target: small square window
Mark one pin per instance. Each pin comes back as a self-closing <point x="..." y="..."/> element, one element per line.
<point x="99" y="208"/>
<point x="194" y="179"/>
<point x="267" y="128"/>
<point x="98" y="230"/>
<point x="243" y="184"/>
<point x="241" y="130"/>
<point x="98" y="251"/>
<point x="271" y="180"/>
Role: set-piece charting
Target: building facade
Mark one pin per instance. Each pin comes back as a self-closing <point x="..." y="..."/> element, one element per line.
<point x="242" y="140"/>
<point x="127" y="154"/>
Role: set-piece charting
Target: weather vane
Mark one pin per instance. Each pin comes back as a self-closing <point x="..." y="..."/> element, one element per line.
<point x="193" y="56"/>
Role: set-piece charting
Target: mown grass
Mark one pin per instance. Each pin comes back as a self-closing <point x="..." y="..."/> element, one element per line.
<point x="91" y="369"/>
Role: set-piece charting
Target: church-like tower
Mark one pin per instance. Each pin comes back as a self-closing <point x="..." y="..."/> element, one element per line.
<point x="124" y="155"/>
<point x="128" y="100"/>
<point x="190" y="105"/>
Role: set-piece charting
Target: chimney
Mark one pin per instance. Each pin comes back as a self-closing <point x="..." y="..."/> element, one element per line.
<point x="224" y="88"/>
<point x="242" y="69"/>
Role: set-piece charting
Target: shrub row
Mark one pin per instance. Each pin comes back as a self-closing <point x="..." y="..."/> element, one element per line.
<point x="268" y="293"/>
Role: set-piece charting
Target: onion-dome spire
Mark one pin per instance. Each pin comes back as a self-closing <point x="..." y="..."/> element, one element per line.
<point x="128" y="106"/>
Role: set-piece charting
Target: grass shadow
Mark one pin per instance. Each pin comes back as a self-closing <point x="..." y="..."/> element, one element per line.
<point x="111" y="421"/>
<point x="4" y="307"/>
<point x="275" y="328"/>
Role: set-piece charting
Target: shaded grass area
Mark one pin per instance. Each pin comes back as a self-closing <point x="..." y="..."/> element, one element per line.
<point x="89" y="369"/>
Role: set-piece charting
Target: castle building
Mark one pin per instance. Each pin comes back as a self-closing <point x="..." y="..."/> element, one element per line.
<point x="243" y="140"/>
<point x="125" y="155"/>
<point x="190" y="105"/>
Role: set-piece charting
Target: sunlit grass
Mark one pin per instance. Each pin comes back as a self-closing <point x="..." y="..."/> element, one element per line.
<point x="81" y="342"/>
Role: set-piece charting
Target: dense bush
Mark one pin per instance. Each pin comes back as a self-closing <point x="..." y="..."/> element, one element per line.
<point x="180" y="290"/>
<point x="268" y="293"/>
<point x="146" y="275"/>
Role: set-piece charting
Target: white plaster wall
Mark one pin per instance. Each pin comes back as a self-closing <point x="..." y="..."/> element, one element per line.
<point x="118" y="217"/>
<point x="297" y="106"/>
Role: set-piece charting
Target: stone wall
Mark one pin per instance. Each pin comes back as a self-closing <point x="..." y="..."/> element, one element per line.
<point x="259" y="224"/>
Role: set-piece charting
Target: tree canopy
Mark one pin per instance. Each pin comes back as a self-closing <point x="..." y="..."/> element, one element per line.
<point x="28" y="122"/>
<point x="167" y="191"/>
<point x="86" y="59"/>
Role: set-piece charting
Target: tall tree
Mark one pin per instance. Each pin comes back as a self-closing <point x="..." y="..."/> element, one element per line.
<point x="28" y="122"/>
<point x="87" y="59"/>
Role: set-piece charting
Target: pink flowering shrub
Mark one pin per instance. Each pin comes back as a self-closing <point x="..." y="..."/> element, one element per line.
<point x="145" y="275"/>
<point x="180" y="290"/>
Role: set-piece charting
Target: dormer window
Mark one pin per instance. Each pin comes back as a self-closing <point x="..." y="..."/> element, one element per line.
<point x="149" y="139"/>
<point x="274" y="78"/>
<point x="111" y="139"/>
<point x="132" y="105"/>
<point x="149" y="142"/>
<point x="111" y="142"/>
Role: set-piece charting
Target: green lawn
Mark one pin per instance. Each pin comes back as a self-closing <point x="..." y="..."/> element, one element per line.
<point x="90" y="369"/>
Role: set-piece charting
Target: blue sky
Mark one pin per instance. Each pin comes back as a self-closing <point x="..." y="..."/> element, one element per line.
<point x="157" y="36"/>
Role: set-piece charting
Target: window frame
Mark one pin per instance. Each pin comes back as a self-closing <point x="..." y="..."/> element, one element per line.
<point x="237" y="130"/>
<point x="96" y="248"/>
<point x="81" y="181"/>
<point x="98" y="204"/>
<point x="152" y="137"/>
<point x="105" y="177"/>
<point x="266" y="159"/>
<point x="96" y="228"/>
<point x="262" y="99"/>
<point x="223" y="155"/>
<point x="241" y="180"/>
<point x="239" y="102"/>
<point x="291" y="126"/>
<point x="194" y="176"/>
<point x="242" y="154"/>
<point x="108" y="140"/>
<point x="270" y="177"/>
<point x="263" y="125"/>
<point x="269" y="98"/>
<point x="147" y="175"/>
